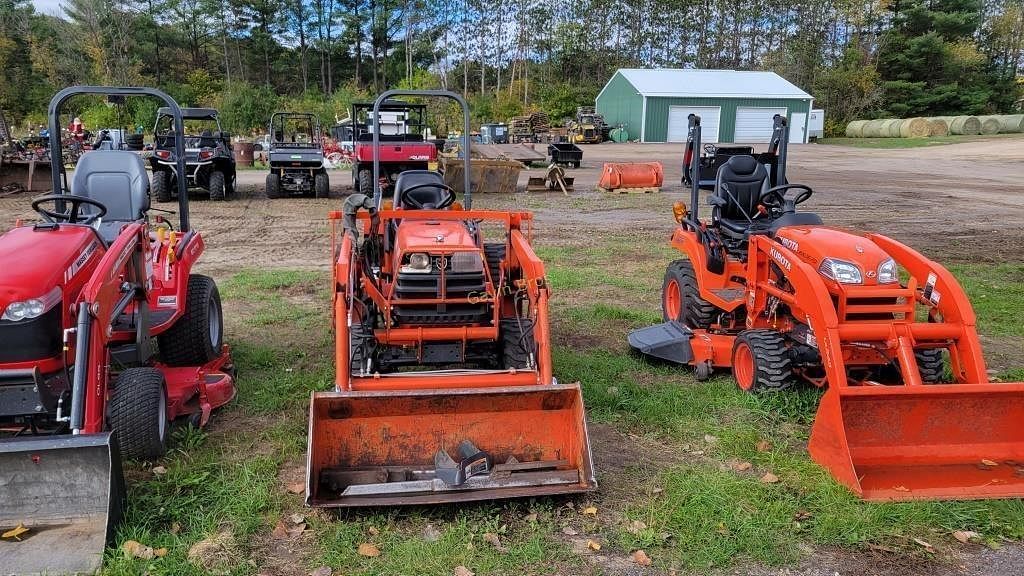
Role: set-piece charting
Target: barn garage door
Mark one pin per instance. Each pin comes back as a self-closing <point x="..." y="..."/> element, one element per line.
<point x="755" y="124"/>
<point x="678" y="122"/>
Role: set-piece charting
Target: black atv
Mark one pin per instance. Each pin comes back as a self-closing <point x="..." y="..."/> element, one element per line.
<point x="296" y="156"/>
<point x="209" y="160"/>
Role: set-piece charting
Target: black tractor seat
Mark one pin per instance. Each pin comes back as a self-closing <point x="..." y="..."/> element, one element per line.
<point x="428" y="196"/>
<point x="737" y="193"/>
<point x="117" y="179"/>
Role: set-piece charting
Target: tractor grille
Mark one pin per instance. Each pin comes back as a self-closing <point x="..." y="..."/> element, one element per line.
<point x="422" y="286"/>
<point x="28" y="340"/>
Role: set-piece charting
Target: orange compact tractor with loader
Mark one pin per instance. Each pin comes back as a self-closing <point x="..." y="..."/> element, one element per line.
<point x="444" y="389"/>
<point x="783" y="299"/>
<point x="106" y="337"/>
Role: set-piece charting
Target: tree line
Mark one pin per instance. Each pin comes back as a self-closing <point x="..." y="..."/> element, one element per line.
<point x="858" y="58"/>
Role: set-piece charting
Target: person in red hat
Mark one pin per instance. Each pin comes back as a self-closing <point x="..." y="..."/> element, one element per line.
<point x="77" y="129"/>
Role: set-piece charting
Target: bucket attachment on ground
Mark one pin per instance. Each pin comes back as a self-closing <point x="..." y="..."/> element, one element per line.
<point x="67" y="491"/>
<point x="631" y="176"/>
<point x="455" y="445"/>
<point x="926" y="442"/>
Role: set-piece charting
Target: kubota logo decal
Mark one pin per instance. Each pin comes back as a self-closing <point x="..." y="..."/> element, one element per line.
<point x="781" y="259"/>
<point x="791" y="244"/>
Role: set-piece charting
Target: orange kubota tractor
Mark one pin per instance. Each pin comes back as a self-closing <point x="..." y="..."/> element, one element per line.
<point x="782" y="299"/>
<point x="444" y="389"/>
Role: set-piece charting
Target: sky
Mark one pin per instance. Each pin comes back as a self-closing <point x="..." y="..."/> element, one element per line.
<point x="48" y="6"/>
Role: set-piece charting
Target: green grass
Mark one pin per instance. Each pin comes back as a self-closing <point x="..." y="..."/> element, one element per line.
<point x="997" y="294"/>
<point x="908" y="142"/>
<point x="699" y="512"/>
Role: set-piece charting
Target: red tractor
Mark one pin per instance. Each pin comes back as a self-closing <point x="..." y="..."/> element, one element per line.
<point x="400" y="130"/>
<point x="106" y="337"/>
<point x="783" y="300"/>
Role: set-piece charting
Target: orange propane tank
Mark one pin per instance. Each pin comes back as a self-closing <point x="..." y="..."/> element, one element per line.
<point x="617" y="175"/>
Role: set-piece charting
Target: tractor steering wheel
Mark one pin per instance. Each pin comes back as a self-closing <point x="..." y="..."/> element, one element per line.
<point x="72" y="213"/>
<point x="775" y="198"/>
<point x="406" y="200"/>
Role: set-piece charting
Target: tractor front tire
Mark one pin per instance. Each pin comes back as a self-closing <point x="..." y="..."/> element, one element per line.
<point x="761" y="362"/>
<point x="680" y="297"/>
<point x="273" y="186"/>
<point x="517" y="343"/>
<point x="217" y="185"/>
<point x="495" y="253"/>
<point x="321" y="185"/>
<point x="137" y="413"/>
<point x="162" y="186"/>
<point x="932" y="365"/>
<point x="365" y="183"/>
<point x="197" y="337"/>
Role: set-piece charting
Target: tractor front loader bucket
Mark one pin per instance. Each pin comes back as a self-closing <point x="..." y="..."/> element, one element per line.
<point x="67" y="491"/>
<point x="398" y="447"/>
<point x="924" y="442"/>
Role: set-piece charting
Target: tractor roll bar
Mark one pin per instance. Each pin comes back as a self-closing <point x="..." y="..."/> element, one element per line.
<point x="468" y="200"/>
<point x="56" y="154"/>
<point x="693" y="150"/>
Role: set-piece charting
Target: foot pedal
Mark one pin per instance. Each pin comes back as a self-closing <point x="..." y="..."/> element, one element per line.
<point x="472" y="461"/>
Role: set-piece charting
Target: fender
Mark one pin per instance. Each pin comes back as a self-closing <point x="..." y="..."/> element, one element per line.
<point x="686" y="241"/>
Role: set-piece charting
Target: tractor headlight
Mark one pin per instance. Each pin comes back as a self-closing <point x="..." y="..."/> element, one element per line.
<point x="887" y="272"/>
<point x="418" y="263"/>
<point x="31" y="308"/>
<point x="466" y="262"/>
<point x="841" y="271"/>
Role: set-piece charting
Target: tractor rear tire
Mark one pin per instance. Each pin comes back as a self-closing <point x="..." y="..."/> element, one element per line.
<point x="321" y="185"/>
<point x="197" y="337"/>
<point x="680" y="297"/>
<point x="273" y="186"/>
<point x="517" y="343"/>
<point x="137" y="413"/>
<point x="495" y="253"/>
<point x="761" y="362"/>
<point x="932" y="365"/>
<point x="365" y="183"/>
<point x="162" y="186"/>
<point x="217" y="185"/>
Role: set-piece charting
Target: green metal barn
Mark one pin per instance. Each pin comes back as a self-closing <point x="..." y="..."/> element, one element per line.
<point x="734" y="105"/>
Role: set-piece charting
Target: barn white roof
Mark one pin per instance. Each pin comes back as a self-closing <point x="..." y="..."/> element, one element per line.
<point x="694" y="83"/>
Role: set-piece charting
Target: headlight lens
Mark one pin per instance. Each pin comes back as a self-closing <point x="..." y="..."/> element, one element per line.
<point x="887" y="272"/>
<point x="841" y="271"/>
<point x="466" y="262"/>
<point x="419" y="263"/>
<point x="31" y="308"/>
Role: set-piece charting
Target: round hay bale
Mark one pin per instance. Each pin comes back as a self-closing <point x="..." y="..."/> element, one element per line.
<point x="990" y="125"/>
<point x="855" y="129"/>
<point x="938" y="127"/>
<point x="873" y="129"/>
<point x="965" y="126"/>
<point x="915" y="128"/>
<point x="1011" y="123"/>
<point x="891" y="128"/>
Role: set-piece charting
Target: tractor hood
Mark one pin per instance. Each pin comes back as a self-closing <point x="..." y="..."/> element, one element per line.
<point x="35" y="260"/>
<point x="816" y="243"/>
<point x="433" y="236"/>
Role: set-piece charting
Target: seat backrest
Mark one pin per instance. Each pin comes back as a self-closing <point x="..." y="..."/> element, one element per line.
<point x="429" y="196"/>
<point x="115" y="178"/>
<point x="739" y="183"/>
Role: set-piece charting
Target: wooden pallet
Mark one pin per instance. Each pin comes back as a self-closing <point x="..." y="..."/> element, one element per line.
<point x="643" y="190"/>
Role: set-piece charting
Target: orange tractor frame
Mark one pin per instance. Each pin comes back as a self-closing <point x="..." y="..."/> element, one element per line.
<point x="781" y="299"/>
<point x="444" y="389"/>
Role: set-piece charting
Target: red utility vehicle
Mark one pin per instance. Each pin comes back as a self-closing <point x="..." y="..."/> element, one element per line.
<point x="402" y="147"/>
<point x="106" y="337"/>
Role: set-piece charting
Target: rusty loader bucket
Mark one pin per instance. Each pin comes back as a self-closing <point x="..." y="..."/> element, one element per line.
<point x="402" y="447"/>
<point x="67" y="491"/>
<point x="925" y="442"/>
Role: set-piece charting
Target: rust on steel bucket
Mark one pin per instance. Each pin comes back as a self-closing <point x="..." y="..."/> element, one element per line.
<point x="354" y="431"/>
